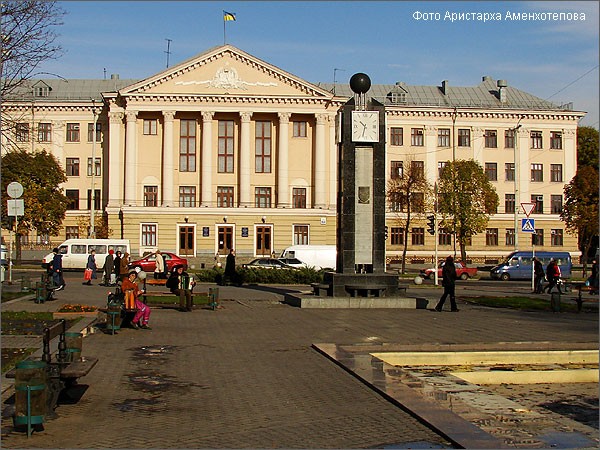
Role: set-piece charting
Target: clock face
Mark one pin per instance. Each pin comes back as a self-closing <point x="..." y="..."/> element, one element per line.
<point x="365" y="126"/>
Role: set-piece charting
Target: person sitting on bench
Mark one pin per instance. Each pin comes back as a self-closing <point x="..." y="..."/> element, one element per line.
<point x="142" y="315"/>
<point x="181" y="284"/>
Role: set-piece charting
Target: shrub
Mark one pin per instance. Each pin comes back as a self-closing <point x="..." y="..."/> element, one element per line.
<point x="267" y="276"/>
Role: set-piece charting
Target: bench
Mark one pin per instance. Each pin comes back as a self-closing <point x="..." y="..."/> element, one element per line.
<point x="370" y="290"/>
<point x="318" y="287"/>
<point x="62" y="371"/>
<point x="581" y="287"/>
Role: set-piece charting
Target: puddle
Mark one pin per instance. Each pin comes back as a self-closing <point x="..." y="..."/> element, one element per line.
<point x="135" y="404"/>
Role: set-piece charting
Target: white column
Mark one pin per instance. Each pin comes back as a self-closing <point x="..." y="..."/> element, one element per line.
<point x="569" y="154"/>
<point x="58" y="141"/>
<point x="283" y="182"/>
<point x="168" y="156"/>
<point x="320" y="159"/>
<point x="207" y="164"/>
<point x="244" y="185"/>
<point x="431" y="170"/>
<point x="130" y="157"/>
<point x="115" y="167"/>
<point x="332" y="164"/>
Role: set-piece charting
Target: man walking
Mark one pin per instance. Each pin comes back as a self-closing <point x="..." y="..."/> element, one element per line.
<point x="538" y="272"/>
<point x="449" y="283"/>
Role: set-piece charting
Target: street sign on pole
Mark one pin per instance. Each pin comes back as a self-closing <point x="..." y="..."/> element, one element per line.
<point x="528" y="225"/>
<point x="16" y="207"/>
<point x="528" y="208"/>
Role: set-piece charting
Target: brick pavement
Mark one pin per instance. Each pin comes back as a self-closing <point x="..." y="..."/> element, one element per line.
<point x="245" y="376"/>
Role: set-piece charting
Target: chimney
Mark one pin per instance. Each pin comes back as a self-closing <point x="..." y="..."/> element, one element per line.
<point x="445" y="87"/>
<point x="502" y="90"/>
<point x="486" y="78"/>
<point x="114" y="76"/>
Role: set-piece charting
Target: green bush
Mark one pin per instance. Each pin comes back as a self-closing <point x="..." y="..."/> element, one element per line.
<point x="266" y="276"/>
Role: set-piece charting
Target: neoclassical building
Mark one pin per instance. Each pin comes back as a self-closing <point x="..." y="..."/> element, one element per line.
<point x="225" y="150"/>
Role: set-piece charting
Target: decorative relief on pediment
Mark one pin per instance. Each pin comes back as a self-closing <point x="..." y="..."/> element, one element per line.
<point x="226" y="78"/>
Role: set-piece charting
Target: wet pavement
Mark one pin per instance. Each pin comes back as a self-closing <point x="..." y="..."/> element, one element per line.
<point x="247" y="375"/>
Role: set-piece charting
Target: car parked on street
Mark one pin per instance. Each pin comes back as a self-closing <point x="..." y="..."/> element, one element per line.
<point x="148" y="263"/>
<point x="463" y="272"/>
<point x="294" y="262"/>
<point x="266" y="263"/>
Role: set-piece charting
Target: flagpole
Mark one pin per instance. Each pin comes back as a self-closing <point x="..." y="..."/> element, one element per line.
<point x="224" y="35"/>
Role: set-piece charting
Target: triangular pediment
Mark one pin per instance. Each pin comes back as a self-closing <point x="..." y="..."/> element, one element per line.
<point x="225" y="70"/>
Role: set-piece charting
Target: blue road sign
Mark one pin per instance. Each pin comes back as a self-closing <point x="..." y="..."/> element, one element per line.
<point x="528" y="225"/>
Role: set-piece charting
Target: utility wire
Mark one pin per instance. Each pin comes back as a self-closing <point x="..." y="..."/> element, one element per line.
<point x="573" y="82"/>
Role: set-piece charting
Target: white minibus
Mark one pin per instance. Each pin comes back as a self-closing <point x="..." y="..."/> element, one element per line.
<point x="75" y="252"/>
<point x="317" y="256"/>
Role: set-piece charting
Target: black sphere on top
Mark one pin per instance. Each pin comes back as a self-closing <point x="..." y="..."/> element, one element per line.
<point x="360" y="83"/>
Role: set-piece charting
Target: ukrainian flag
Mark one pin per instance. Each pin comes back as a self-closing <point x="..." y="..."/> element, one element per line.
<point x="227" y="16"/>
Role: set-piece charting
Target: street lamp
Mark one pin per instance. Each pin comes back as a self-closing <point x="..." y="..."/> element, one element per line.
<point x="515" y="131"/>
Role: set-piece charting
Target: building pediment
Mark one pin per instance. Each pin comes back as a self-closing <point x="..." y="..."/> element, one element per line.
<point x="228" y="71"/>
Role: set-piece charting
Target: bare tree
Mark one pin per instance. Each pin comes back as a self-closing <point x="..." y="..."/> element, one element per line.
<point x="409" y="195"/>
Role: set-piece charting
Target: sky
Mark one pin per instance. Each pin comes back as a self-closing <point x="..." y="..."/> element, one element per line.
<point x="391" y="41"/>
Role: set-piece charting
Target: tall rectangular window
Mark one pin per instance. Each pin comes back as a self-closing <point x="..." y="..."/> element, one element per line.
<point x="73" y="197"/>
<point x="491" y="237"/>
<point x="71" y="232"/>
<point x="72" y="132"/>
<point x="536" y="140"/>
<point x="537" y="238"/>
<point x="444" y="137"/>
<point x="72" y="167"/>
<point x="187" y="146"/>
<point x="262" y="197"/>
<point x="300" y="234"/>
<point x="187" y="196"/>
<point x="464" y="137"/>
<point x="509" y="203"/>
<point x="299" y="198"/>
<point x="539" y="203"/>
<point x="556" y="173"/>
<point x="97" y="167"/>
<point x="509" y="171"/>
<point x="445" y="236"/>
<point x="556" y="237"/>
<point x="397" y="169"/>
<point x="299" y="129"/>
<point x="397" y="201"/>
<point x="417" y="202"/>
<point x="150" y="127"/>
<point x="509" y="237"/>
<point x="22" y="132"/>
<point x="263" y="147"/>
<point x="396" y="236"/>
<point x="509" y="139"/>
<point x="441" y="166"/>
<point x="44" y="132"/>
<point x="96" y="199"/>
<point x="418" y="168"/>
<point x="396" y="136"/>
<point x="556" y="204"/>
<point x="491" y="170"/>
<point x="90" y="133"/>
<point x="491" y="139"/>
<point x="537" y="172"/>
<point x="225" y="196"/>
<point x="556" y="140"/>
<point x="150" y="195"/>
<point x="418" y="236"/>
<point x="416" y="137"/>
<point x="225" y="155"/>
<point x="149" y="234"/>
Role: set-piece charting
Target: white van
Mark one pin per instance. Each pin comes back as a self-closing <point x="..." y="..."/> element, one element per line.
<point x="317" y="256"/>
<point x="75" y="252"/>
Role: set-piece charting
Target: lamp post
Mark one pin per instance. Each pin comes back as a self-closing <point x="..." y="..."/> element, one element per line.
<point x="516" y="181"/>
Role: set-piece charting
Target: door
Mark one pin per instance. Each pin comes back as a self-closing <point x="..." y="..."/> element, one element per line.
<point x="225" y="239"/>
<point x="186" y="240"/>
<point x="263" y="241"/>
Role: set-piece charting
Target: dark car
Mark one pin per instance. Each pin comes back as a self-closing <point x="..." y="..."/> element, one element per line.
<point x="267" y="263"/>
<point x="148" y="263"/>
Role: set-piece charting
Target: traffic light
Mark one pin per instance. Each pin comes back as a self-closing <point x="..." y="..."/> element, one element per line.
<point x="431" y="224"/>
<point x="386" y="232"/>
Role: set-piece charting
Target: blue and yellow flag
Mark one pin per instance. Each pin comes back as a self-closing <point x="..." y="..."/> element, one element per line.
<point x="227" y="16"/>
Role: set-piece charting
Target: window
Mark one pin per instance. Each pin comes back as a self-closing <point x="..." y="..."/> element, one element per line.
<point x="556" y="140"/>
<point x="416" y="137"/>
<point x="418" y="168"/>
<point x="300" y="234"/>
<point x="510" y="237"/>
<point x="441" y="166"/>
<point x="556" y="173"/>
<point x="225" y="196"/>
<point x="72" y="167"/>
<point x="96" y="199"/>
<point x="72" y="132"/>
<point x="150" y="126"/>
<point x="44" y="132"/>
<point x="509" y="139"/>
<point x="444" y="137"/>
<point x="149" y="232"/>
<point x="73" y="196"/>
<point x="187" y="146"/>
<point x="41" y="91"/>
<point x="444" y="236"/>
<point x="537" y="238"/>
<point x="187" y="196"/>
<point x="396" y="136"/>
<point x="90" y="136"/>
<point x="537" y="172"/>
<point x="491" y="170"/>
<point x="397" y="170"/>
<point x="150" y="195"/>
<point x="418" y="236"/>
<point x="299" y="198"/>
<point x="464" y="137"/>
<point x="397" y="236"/>
<point x="97" y="166"/>
<point x="397" y="202"/>
<point x="509" y="203"/>
<point x="72" y="232"/>
<point x="398" y="97"/>
<point x="263" y="147"/>
<point x="491" y="139"/>
<point x="536" y="139"/>
<point x="225" y="146"/>
<point x="539" y="203"/>
<point x="509" y="171"/>
<point x="491" y="237"/>
<point x="22" y="132"/>
<point x="556" y="204"/>
<point x="418" y="202"/>
<point x="299" y="128"/>
<point x="556" y="237"/>
<point x="262" y="197"/>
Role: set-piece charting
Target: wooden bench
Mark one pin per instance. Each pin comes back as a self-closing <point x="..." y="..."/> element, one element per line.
<point x="62" y="372"/>
<point x="370" y="290"/>
<point x="318" y="287"/>
<point x="580" y="286"/>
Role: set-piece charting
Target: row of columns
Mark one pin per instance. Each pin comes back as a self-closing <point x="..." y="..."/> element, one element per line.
<point x="207" y="153"/>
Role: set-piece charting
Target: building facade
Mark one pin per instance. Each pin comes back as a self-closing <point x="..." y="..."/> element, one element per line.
<point x="227" y="151"/>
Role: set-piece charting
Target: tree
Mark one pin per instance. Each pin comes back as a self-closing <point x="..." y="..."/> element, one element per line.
<point x="45" y="204"/>
<point x="587" y="147"/>
<point x="103" y="231"/>
<point x="410" y="194"/>
<point x="466" y="200"/>
<point x="580" y="211"/>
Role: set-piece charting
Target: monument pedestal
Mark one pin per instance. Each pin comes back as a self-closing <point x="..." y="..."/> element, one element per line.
<point x="362" y="284"/>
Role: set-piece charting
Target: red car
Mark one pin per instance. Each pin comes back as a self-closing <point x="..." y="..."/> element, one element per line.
<point x="463" y="272"/>
<point x="148" y="263"/>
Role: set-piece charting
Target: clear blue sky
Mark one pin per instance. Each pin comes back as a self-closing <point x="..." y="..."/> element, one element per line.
<point x="310" y="39"/>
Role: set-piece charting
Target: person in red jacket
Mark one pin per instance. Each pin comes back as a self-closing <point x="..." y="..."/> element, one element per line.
<point x="142" y="315"/>
<point x="553" y="275"/>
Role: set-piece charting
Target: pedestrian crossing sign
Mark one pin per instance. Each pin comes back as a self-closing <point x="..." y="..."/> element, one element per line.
<point x="528" y="225"/>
